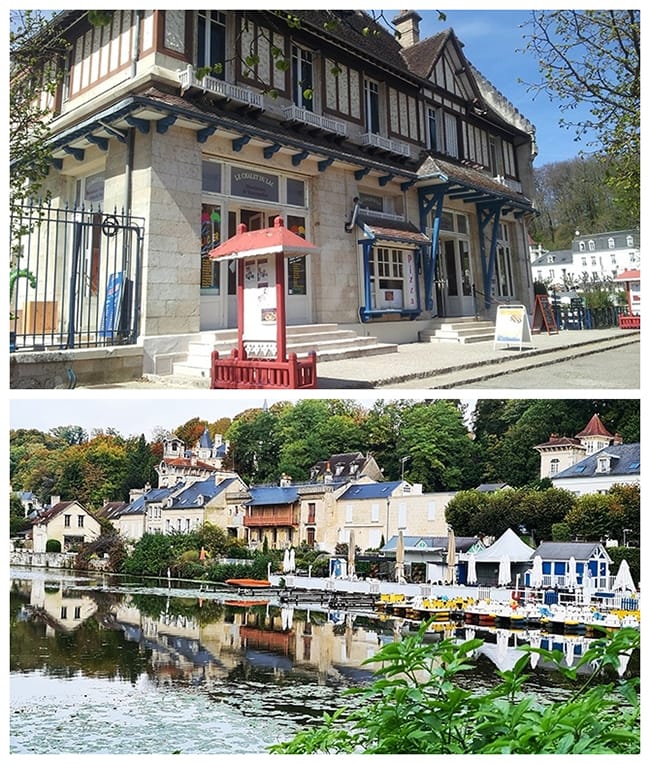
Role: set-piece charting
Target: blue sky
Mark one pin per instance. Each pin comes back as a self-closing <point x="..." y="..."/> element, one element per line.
<point x="492" y="40"/>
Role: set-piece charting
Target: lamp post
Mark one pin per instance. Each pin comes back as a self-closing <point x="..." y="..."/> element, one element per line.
<point x="403" y="461"/>
<point x="625" y="532"/>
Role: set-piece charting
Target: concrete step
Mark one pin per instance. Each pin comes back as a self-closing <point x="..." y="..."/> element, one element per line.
<point x="462" y="331"/>
<point x="327" y="340"/>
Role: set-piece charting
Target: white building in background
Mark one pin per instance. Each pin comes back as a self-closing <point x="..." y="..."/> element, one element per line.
<point x="592" y="258"/>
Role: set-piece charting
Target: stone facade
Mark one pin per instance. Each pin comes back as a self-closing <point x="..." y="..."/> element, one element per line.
<point x="152" y="128"/>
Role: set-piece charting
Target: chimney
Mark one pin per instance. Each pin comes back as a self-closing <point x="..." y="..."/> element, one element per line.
<point x="618" y="439"/>
<point x="407" y="28"/>
<point x="54" y="500"/>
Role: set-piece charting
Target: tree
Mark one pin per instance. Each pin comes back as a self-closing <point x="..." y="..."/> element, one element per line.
<point x="35" y="50"/>
<point x="593" y="57"/>
<point x="574" y="195"/>
<point x="417" y="704"/>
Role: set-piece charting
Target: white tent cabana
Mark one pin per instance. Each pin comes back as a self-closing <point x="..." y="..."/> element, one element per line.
<point x="510" y="546"/>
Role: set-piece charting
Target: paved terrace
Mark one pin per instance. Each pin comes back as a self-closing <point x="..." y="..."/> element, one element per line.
<point x="449" y="363"/>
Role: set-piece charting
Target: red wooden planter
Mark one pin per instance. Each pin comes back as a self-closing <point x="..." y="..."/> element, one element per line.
<point x="629" y="322"/>
<point x="234" y="372"/>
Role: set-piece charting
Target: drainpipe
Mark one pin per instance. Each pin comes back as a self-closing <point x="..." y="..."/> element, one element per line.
<point x="130" y="140"/>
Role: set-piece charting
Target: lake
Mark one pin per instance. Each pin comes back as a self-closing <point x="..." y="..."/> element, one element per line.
<point x="111" y="666"/>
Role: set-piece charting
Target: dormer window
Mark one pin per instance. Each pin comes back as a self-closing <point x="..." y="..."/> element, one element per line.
<point x="630" y="241"/>
<point x="604" y="464"/>
<point x="592" y="245"/>
<point x="611" y="243"/>
<point x="581" y="246"/>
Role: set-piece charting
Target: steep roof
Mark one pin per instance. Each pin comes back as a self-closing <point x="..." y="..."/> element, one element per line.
<point x="139" y="505"/>
<point x="351" y="464"/>
<point x="625" y="460"/>
<point x="205" y="441"/>
<point x="595" y="427"/>
<point x="51" y="512"/>
<point x="208" y="489"/>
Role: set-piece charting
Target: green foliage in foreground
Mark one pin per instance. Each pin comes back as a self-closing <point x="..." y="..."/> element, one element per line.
<point x="414" y="706"/>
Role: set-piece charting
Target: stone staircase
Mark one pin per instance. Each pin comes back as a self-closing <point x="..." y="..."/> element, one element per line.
<point x="463" y="330"/>
<point x="329" y="342"/>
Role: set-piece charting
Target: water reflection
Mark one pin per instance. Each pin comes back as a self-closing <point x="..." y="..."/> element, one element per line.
<point x="234" y="663"/>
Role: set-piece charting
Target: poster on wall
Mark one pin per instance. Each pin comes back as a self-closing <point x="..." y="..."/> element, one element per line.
<point x="512" y="326"/>
<point x="260" y="308"/>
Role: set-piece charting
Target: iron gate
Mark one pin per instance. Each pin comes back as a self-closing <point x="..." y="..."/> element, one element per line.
<point x="75" y="278"/>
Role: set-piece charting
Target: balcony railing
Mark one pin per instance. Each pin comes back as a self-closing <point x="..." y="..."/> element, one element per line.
<point x="214" y="86"/>
<point x="279" y="518"/>
<point x="378" y="141"/>
<point x="296" y="114"/>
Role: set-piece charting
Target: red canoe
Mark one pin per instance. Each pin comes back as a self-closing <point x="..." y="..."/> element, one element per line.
<point x="248" y="583"/>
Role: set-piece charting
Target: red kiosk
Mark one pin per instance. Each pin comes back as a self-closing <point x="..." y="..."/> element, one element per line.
<point x="632" y="281"/>
<point x="260" y="358"/>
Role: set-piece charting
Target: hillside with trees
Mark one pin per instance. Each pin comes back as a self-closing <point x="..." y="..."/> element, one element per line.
<point x="427" y="442"/>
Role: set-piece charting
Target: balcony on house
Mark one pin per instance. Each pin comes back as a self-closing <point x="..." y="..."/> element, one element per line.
<point x="271" y="517"/>
<point x="509" y="183"/>
<point x="303" y="116"/>
<point x="209" y="84"/>
<point x="386" y="144"/>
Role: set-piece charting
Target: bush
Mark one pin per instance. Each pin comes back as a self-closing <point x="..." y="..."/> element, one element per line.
<point x="415" y="706"/>
<point x="53" y="545"/>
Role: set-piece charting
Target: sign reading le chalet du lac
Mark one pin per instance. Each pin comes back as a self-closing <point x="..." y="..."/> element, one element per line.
<point x="254" y="185"/>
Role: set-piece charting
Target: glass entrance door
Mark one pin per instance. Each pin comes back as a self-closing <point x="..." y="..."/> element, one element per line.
<point x="456" y="281"/>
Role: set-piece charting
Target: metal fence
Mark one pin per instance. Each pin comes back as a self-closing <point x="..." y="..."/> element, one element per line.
<point x="577" y="316"/>
<point x="75" y="278"/>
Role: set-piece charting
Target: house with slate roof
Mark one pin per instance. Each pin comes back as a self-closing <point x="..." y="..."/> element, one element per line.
<point x="614" y="465"/>
<point x="143" y="514"/>
<point x="561" y="452"/>
<point x="378" y="511"/>
<point x="272" y="513"/>
<point x="205" y="501"/>
<point x="350" y="466"/>
<point x="407" y="169"/>
<point x="592" y="258"/>
<point x="185" y="464"/>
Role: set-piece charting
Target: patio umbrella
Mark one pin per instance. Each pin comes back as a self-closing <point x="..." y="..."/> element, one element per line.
<point x="586" y="588"/>
<point x="471" y="569"/>
<point x="351" y="555"/>
<point x="504" y="571"/>
<point x="399" y="557"/>
<point x="292" y="560"/>
<point x="572" y="575"/>
<point x="286" y="562"/>
<point x="623" y="580"/>
<point x="451" y="555"/>
<point x="536" y="575"/>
